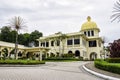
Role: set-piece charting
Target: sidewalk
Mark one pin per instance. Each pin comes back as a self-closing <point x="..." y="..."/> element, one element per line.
<point x="93" y="68"/>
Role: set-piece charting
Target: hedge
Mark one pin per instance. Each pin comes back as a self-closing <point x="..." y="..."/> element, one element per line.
<point x="113" y="60"/>
<point x="62" y="59"/>
<point x="22" y="62"/>
<point x="111" y="67"/>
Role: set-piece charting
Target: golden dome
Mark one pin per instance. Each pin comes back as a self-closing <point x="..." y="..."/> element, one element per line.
<point x="89" y="25"/>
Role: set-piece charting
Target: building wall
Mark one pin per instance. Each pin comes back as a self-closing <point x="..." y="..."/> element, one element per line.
<point x="83" y="47"/>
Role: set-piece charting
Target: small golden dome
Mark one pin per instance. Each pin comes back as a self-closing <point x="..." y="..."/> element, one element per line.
<point x="89" y="25"/>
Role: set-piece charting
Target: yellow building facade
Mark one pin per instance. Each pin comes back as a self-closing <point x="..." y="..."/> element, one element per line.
<point x="86" y="43"/>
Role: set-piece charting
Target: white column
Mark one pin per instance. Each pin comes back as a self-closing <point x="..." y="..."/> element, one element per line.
<point x="49" y="43"/>
<point x="40" y="55"/>
<point x="73" y="42"/>
<point x="81" y="43"/>
<point x="39" y="44"/>
<point x="45" y="43"/>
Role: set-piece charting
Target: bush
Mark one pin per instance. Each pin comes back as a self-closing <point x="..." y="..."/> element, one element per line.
<point x="113" y="60"/>
<point x="111" y="67"/>
<point x="62" y="59"/>
<point x="67" y="55"/>
<point x="22" y="62"/>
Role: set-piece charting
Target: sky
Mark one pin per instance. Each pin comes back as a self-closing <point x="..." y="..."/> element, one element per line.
<point x="52" y="16"/>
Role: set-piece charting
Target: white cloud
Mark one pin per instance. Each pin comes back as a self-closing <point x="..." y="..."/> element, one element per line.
<point x="50" y="16"/>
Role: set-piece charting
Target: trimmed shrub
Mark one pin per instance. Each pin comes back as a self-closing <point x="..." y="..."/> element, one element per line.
<point x="111" y="67"/>
<point x="62" y="59"/>
<point x="22" y="62"/>
<point x="113" y="60"/>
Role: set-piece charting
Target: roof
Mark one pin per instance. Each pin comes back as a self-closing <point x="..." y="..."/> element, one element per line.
<point x="58" y="34"/>
<point x="7" y="44"/>
<point x="89" y="25"/>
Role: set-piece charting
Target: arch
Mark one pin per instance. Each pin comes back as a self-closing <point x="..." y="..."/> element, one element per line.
<point x="70" y="52"/>
<point x="77" y="53"/>
<point x="93" y="56"/>
<point x="20" y="54"/>
<point x="29" y="54"/>
<point x="5" y="50"/>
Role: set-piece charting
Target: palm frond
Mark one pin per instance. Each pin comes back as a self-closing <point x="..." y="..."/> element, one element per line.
<point x="116" y="11"/>
<point x="17" y="23"/>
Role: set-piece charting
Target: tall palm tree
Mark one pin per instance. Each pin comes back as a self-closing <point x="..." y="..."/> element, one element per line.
<point x="116" y="12"/>
<point x="17" y="23"/>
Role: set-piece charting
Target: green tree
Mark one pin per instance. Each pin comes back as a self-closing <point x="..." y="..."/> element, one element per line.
<point x="5" y="34"/>
<point x="17" y="23"/>
<point x="114" y="49"/>
<point x="116" y="11"/>
<point x="27" y="39"/>
<point x="35" y="35"/>
<point x="12" y="36"/>
<point x="21" y="39"/>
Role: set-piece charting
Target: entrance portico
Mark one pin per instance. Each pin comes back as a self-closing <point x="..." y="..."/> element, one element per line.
<point x="21" y="48"/>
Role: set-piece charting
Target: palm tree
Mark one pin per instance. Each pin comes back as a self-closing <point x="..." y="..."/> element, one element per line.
<point x="62" y="38"/>
<point x="17" y="23"/>
<point x="116" y="11"/>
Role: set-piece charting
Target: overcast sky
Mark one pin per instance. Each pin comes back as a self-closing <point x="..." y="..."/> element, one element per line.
<point x="51" y="16"/>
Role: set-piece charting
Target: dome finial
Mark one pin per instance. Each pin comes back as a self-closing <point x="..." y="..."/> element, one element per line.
<point x="89" y="18"/>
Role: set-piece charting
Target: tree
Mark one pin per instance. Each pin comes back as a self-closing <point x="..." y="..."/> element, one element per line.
<point x="17" y="23"/>
<point x="61" y="38"/>
<point x="35" y="35"/>
<point x="27" y="39"/>
<point x="12" y="36"/>
<point x="21" y="39"/>
<point x="5" y="34"/>
<point x="116" y="11"/>
<point x="114" y="49"/>
<point x="104" y="40"/>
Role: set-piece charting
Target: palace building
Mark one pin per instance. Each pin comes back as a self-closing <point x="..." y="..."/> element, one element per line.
<point x="85" y="43"/>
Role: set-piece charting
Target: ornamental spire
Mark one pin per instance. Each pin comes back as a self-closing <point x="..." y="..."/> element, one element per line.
<point x="89" y="18"/>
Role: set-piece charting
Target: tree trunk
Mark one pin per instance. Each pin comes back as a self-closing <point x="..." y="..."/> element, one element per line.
<point x="16" y="45"/>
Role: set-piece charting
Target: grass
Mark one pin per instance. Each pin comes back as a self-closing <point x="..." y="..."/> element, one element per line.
<point x="111" y="67"/>
<point x="22" y="62"/>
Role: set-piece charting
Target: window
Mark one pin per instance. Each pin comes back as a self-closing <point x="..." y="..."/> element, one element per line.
<point x="88" y="33"/>
<point x="52" y="43"/>
<point x="85" y="33"/>
<point x="92" y="33"/>
<point x="58" y="42"/>
<point x="43" y="44"/>
<point x="47" y="44"/>
<point x="92" y="43"/>
<point x="69" y="42"/>
<point x="76" y="41"/>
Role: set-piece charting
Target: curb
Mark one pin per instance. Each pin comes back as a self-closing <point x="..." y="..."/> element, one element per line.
<point x="100" y="75"/>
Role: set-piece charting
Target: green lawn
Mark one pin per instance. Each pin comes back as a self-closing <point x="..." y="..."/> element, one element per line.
<point x="22" y="62"/>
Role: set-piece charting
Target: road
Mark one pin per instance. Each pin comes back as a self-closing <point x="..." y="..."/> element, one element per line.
<point x="48" y="71"/>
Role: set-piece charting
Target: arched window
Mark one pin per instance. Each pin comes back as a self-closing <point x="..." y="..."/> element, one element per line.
<point x="77" y="53"/>
<point x="93" y="56"/>
<point x="69" y="52"/>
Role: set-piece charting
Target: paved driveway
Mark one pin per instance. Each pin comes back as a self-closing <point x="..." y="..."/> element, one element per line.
<point x="49" y="71"/>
